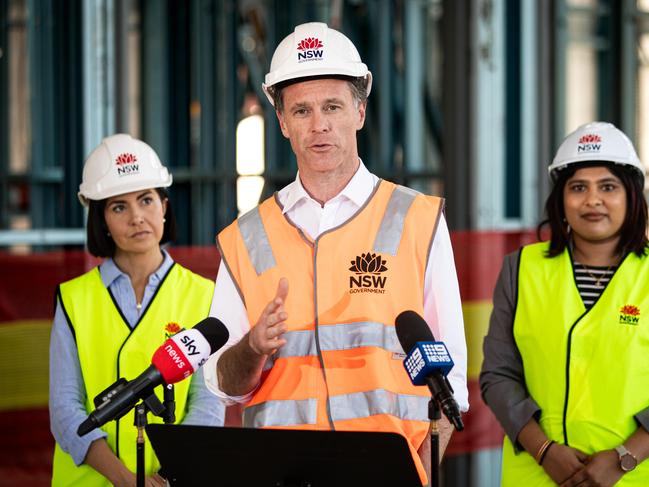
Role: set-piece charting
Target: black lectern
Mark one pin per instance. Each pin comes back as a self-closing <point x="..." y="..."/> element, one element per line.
<point x="245" y="457"/>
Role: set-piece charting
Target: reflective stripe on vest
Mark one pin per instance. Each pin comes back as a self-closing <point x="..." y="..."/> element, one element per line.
<point x="301" y="343"/>
<point x="256" y="241"/>
<point x="387" y="239"/>
<point x="280" y="413"/>
<point x="343" y="407"/>
<point x="378" y="401"/>
<point x="389" y="234"/>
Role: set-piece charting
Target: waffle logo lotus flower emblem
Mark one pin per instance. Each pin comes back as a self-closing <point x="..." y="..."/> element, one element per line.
<point x="367" y="269"/>
<point x="126" y="164"/>
<point x="629" y="314"/>
<point x="309" y="49"/>
<point x="125" y="158"/>
<point x="171" y="329"/>
<point x="589" y="143"/>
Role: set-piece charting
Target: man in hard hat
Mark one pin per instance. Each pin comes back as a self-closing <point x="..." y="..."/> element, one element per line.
<point x="356" y="251"/>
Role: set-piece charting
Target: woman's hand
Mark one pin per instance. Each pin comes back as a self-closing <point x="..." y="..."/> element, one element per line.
<point x="130" y="480"/>
<point x="562" y="462"/>
<point x="602" y="470"/>
<point x="101" y="458"/>
<point x="559" y="461"/>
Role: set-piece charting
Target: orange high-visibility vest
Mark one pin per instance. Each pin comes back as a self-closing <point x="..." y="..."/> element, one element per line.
<point x="342" y="365"/>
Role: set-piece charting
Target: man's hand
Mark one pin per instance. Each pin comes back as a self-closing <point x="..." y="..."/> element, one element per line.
<point x="562" y="462"/>
<point x="265" y="338"/>
<point x="239" y="368"/>
<point x="602" y="470"/>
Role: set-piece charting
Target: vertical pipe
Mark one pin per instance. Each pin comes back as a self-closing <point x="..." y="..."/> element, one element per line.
<point x="414" y="78"/>
<point x="383" y="79"/>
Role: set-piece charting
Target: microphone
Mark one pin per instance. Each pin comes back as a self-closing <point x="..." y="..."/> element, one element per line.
<point x="177" y="358"/>
<point x="428" y="362"/>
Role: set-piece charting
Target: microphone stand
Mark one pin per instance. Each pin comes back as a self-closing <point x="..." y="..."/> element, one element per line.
<point x="168" y="414"/>
<point x="140" y="423"/>
<point x="169" y="403"/>
<point x="434" y="416"/>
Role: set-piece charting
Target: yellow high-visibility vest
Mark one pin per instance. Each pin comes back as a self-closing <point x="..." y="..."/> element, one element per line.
<point x="108" y="349"/>
<point x="587" y="370"/>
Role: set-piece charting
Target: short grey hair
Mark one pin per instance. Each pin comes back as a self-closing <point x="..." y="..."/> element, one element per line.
<point x="357" y="86"/>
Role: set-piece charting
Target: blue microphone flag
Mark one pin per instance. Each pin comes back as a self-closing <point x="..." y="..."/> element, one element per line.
<point x="424" y="359"/>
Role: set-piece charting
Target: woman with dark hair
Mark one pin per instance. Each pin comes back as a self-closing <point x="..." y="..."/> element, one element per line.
<point x="566" y="358"/>
<point x="109" y="321"/>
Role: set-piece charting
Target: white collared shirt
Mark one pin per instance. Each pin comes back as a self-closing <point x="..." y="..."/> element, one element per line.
<point x="442" y="306"/>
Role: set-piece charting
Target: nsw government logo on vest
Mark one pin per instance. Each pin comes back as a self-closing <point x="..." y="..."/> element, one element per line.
<point x="367" y="278"/>
<point x="629" y="315"/>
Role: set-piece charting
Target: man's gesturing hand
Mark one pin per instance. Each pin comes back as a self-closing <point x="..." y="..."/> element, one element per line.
<point x="265" y="338"/>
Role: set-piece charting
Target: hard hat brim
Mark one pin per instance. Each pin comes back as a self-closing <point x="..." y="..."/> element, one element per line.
<point x="87" y="194"/>
<point x="315" y="73"/>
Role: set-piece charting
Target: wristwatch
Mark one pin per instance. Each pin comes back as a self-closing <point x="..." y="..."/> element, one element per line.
<point x="627" y="461"/>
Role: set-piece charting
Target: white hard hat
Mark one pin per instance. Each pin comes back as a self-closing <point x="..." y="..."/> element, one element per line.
<point x="314" y="49"/>
<point x="121" y="164"/>
<point x="596" y="141"/>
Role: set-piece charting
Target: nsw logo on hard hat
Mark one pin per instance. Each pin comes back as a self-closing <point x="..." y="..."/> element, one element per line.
<point x="310" y="49"/>
<point x="589" y="143"/>
<point x="127" y="164"/>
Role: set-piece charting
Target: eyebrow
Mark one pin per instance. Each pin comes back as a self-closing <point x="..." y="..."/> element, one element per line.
<point x="140" y="196"/>
<point x="337" y="101"/>
<point x="608" y="179"/>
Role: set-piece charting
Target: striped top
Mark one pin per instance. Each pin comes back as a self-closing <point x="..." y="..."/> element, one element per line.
<point x="591" y="281"/>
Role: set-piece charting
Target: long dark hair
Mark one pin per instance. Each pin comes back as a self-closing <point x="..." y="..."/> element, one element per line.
<point x="100" y="244"/>
<point x="634" y="228"/>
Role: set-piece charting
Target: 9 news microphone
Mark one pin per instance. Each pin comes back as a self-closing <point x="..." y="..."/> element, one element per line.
<point x="428" y="362"/>
<point x="177" y="358"/>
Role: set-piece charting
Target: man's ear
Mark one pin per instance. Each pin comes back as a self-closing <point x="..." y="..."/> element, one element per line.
<point x="282" y="124"/>
<point x="361" y="115"/>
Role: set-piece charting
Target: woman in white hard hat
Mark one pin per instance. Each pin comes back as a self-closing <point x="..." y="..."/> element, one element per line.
<point x="566" y="358"/>
<point x="109" y="321"/>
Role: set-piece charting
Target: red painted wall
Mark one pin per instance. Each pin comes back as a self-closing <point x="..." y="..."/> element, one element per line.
<point x="27" y="285"/>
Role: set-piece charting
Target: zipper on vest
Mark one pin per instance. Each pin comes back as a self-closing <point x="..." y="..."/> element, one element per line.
<point x="572" y="328"/>
<point x="317" y="334"/>
<point x="119" y="353"/>
<point x="565" y="401"/>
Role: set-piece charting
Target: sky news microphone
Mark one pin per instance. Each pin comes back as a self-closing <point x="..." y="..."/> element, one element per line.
<point x="428" y="362"/>
<point x="177" y="358"/>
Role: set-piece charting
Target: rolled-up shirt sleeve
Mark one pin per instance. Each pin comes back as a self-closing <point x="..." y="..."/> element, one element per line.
<point x="67" y="393"/>
<point x="643" y="418"/>
<point x="228" y="307"/>
<point x="443" y="309"/>
<point x="502" y="381"/>
<point x="203" y="409"/>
